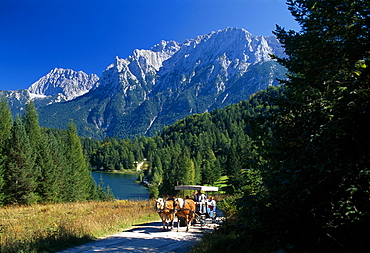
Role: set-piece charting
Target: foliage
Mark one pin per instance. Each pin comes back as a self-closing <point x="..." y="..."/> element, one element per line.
<point x="21" y="173"/>
<point x="198" y="149"/>
<point x="5" y="135"/>
<point x="297" y="156"/>
<point x="39" y="165"/>
<point x="225" y="238"/>
<point x="314" y="142"/>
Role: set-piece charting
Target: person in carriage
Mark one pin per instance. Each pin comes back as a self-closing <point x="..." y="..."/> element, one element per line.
<point x="211" y="208"/>
<point x="200" y="202"/>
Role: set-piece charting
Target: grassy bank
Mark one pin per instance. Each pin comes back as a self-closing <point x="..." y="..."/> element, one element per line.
<point x="53" y="227"/>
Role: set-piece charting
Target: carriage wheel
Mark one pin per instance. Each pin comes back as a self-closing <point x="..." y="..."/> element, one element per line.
<point x="182" y="221"/>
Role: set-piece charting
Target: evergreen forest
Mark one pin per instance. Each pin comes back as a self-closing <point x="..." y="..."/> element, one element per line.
<point x="296" y="157"/>
<point x="40" y="165"/>
<point x="196" y="150"/>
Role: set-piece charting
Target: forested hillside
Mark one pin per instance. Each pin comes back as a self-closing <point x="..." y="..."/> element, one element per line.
<point x="40" y="165"/>
<point x="314" y="144"/>
<point x="196" y="150"/>
<point x="299" y="154"/>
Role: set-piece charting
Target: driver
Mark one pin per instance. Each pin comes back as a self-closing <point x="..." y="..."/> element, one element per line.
<point x="200" y="199"/>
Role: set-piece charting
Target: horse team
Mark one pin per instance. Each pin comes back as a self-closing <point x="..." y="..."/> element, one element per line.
<point x="182" y="208"/>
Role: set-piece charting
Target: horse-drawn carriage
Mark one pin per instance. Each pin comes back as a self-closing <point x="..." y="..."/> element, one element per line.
<point x="197" y="188"/>
<point x="185" y="209"/>
<point x="202" y="214"/>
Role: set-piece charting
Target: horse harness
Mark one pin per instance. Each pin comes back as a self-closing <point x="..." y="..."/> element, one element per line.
<point x="165" y="207"/>
<point x="184" y="209"/>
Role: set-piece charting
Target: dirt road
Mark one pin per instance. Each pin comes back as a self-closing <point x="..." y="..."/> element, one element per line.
<point x="146" y="238"/>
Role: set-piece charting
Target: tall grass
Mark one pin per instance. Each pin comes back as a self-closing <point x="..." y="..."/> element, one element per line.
<point x="53" y="227"/>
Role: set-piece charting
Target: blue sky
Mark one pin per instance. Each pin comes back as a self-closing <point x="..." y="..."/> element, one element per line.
<point x="39" y="35"/>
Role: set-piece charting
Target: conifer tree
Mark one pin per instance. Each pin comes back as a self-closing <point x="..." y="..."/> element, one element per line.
<point x="44" y="167"/>
<point x="157" y="171"/>
<point x="20" y="176"/>
<point x="58" y="190"/>
<point x="198" y="160"/>
<point x="5" y="135"/>
<point x="5" y="122"/>
<point x="184" y="168"/>
<point x="54" y="173"/>
<point x="234" y="162"/>
<point x="31" y="124"/>
<point x="79" y="176"/>
<point x="317" y="156"/>
<point x="168" y="157"/>
<point x="211" y="170"/>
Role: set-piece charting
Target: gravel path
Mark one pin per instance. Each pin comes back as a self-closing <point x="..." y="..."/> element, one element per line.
<point x="146" y="238"/>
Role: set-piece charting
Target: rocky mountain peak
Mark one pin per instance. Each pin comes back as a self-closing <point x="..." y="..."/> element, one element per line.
<point x="216" y="58"/>
<point x="154" y="87"/>
<point x="65" y="83"/>
<point x="138" y="70"/>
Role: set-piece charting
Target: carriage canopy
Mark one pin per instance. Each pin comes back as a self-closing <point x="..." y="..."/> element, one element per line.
<point x="197" y="188"/>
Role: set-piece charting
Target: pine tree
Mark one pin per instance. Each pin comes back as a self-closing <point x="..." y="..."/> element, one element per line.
<point x="5" y="122"/>
<point x="184" y="167"/>
<point x="5" y="135"/>
<point x="79" y="175"/>
<point x="234" y="162"/>
<point x="317" y="157"/>
<point x="168" y="157"/>
<point x="198" y="160"/>
<point x="20" y="177"/>
<point x="54" y="177"/>
<point x="211" y="170"/>
<point x="44" y="167"/>
<point x="31" y="124"/>
<point x="58" y="189"/>
<point x="157" y="177"/>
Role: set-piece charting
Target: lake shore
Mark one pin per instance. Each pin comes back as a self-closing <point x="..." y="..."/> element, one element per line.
<point x="123" y="185"/>
<point x="117" y="171"/>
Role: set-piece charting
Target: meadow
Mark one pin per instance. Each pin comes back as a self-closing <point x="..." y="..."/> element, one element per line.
<point x="54" y="227"/>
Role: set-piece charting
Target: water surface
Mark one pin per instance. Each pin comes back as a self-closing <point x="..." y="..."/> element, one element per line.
<point x="123" y="185"/>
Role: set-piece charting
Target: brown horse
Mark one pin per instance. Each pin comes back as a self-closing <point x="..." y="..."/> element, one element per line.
<point x="166" y="211"/>
<point x="185" y="209"/>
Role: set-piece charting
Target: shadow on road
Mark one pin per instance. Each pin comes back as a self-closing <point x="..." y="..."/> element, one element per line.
<point x="146" y="237"/>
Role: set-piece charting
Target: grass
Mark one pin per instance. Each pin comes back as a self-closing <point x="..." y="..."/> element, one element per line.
<point x="221" y="184"/>
<point x="54" y="227"/>
<point x="216" y="242"/>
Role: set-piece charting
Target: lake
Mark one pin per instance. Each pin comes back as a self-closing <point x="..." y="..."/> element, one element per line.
<point x="122" y="185"/>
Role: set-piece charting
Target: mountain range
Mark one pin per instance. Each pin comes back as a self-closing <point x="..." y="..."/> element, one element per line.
<point x="59" y="85"/>
<point x="153" y="88"/>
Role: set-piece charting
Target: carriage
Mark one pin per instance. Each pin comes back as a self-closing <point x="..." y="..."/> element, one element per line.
<point x="184" y="209"/>
<point x="200" y="218"/>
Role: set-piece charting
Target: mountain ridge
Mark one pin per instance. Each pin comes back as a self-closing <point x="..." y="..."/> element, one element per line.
<point x="58" y="85"/>
<point x="154" y="87"/>
<point x="67" y="82"/>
